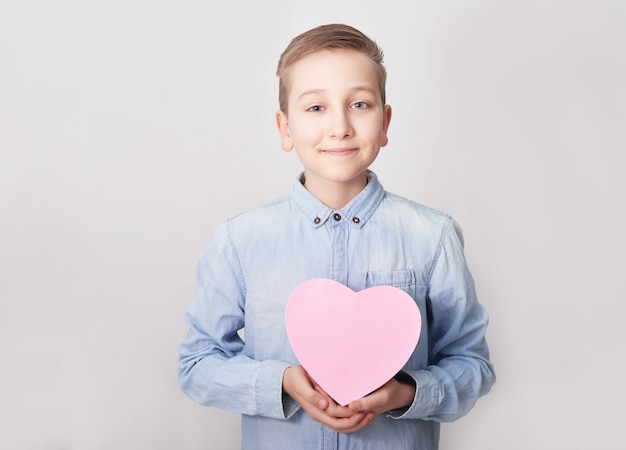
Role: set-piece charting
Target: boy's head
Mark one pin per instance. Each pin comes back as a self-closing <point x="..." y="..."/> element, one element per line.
<point x="327" y="37"/>
<point x="333" y="110"/>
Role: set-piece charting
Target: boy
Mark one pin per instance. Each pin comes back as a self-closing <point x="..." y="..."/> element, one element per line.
<point x="337" y="223"/>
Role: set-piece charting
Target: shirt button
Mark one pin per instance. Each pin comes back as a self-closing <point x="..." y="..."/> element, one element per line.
<point x="337" y="217"/>
<point x="317" y="220"/>
<point x="356" y="220"/>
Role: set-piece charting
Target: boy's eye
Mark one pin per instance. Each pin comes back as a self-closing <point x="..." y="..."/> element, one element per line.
<point x="315" y="108"/>
<point x="360" y="105"/>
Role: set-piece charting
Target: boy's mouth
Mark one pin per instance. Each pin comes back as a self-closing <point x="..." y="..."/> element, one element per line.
<point x="339" y="151"/>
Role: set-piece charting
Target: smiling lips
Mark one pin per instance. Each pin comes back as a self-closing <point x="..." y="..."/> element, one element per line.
<point x="339" y="151"/>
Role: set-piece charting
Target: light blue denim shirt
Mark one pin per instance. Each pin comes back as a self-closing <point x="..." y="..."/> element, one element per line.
<point x="258" y="258"/>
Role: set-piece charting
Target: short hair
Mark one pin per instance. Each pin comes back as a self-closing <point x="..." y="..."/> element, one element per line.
<point x="327" y="37"/>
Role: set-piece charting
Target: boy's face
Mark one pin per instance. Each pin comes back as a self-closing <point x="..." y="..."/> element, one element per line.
<point x="336" y="121"/>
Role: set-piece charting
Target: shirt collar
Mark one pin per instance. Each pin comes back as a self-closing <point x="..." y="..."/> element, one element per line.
<point x="356" y="212"/>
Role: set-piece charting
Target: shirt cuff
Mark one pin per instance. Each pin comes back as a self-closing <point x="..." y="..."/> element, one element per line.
<point x="426" y="398"/>
<point x="403" y="377"/>
<point x="270" y="401"/>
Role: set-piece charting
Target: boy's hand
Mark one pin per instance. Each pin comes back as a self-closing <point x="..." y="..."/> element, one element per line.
<point x="319" y="405"/>
<point x="392" y="395"/>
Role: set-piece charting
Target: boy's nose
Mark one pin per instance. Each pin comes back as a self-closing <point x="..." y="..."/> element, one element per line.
<point x="340" y="126"/>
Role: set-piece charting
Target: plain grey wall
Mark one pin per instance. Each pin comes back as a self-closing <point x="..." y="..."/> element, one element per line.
<point x="130" y="129"/>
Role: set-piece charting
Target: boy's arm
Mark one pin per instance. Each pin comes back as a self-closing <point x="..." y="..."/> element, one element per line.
<point x="213" y="369"/>
<point x="459" y="370"/>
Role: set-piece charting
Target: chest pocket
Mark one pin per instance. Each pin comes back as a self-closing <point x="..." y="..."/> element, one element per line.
<point x="401" y="279"/>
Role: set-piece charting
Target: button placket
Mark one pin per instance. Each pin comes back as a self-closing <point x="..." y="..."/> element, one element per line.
<point x="339" y="249"/>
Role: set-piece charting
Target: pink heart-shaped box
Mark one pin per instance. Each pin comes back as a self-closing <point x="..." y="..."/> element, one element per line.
<point x="351" y="343"/>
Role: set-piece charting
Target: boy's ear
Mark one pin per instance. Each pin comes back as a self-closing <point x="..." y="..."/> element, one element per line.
<point x="386" y="120"/>
<point x="283" y="128"/>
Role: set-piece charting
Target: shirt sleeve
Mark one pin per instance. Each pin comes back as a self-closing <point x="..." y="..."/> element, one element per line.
<point x="213" y="369"/>
<point x="459" y="370"/>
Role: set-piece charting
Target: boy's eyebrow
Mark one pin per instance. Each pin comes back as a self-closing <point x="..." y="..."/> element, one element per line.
<point x="353" y="90"/>
<point x="310" y="92"/>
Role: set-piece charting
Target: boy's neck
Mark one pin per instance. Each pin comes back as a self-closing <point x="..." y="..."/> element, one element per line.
<point x="335" y="195"/>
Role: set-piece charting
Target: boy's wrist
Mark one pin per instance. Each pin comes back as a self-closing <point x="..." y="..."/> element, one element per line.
<point x="407" y="388"/>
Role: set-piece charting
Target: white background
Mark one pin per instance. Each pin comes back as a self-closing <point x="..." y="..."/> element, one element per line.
<point x="130" y="129"/>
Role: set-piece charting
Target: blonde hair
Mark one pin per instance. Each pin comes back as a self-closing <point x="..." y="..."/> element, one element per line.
<point x="325" y="37"/>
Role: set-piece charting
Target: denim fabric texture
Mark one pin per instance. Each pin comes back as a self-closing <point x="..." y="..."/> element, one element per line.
<point x="254" y="262"/>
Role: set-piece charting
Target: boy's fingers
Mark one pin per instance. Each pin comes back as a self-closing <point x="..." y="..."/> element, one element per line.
<point x="374" y="402"/>
<point x="339" y="418"/>
<point x="353" y="423"/>
<point x="319" y="405"/>
<point x="313" y="397"/>
<point x="299" y="385"/>
<point x="318" y="400"/>
<point x="344" y="425"/>
<point x="355" y="406"/>
<point x="326" y="400"/>
<point x="332" y="408"/>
